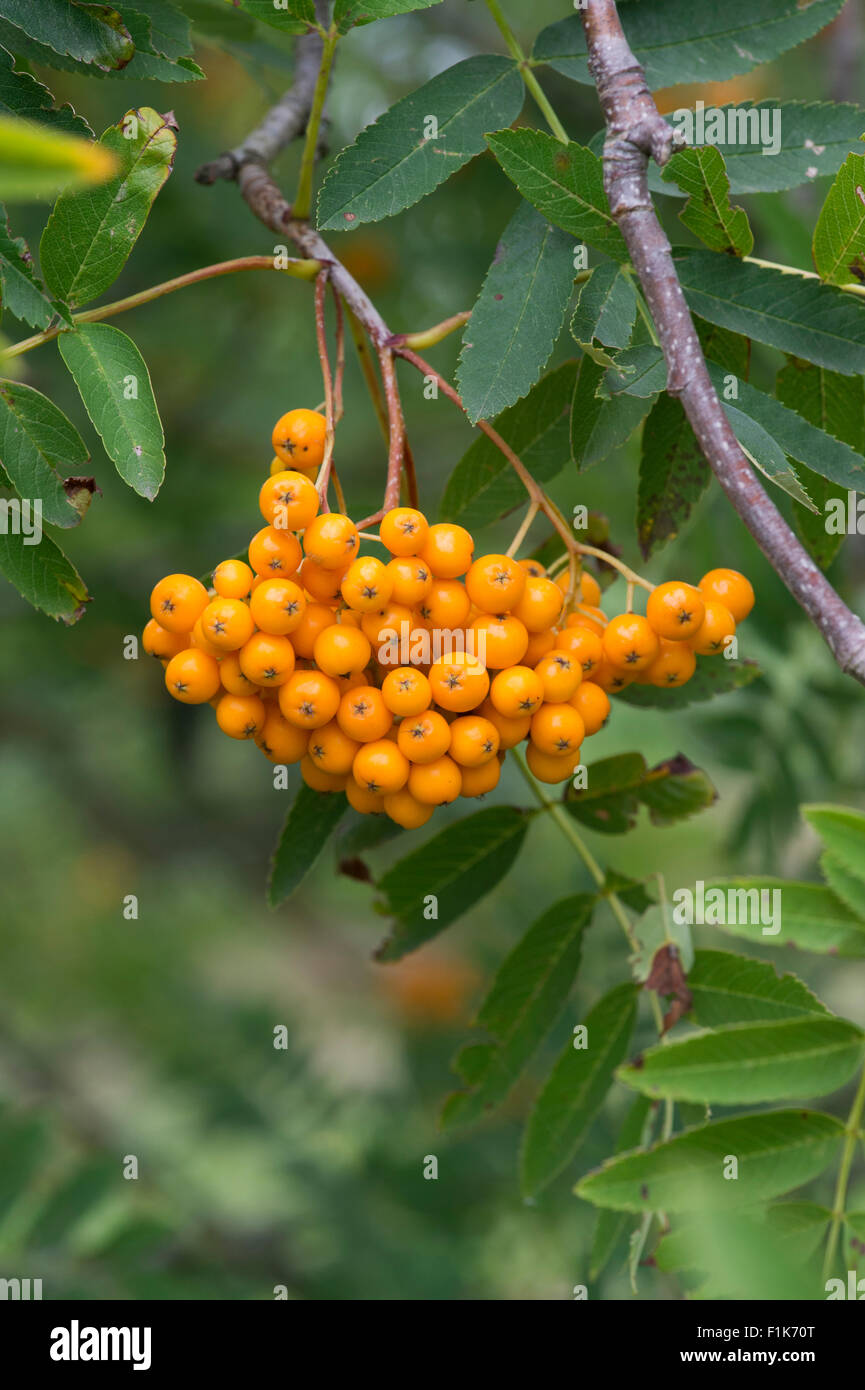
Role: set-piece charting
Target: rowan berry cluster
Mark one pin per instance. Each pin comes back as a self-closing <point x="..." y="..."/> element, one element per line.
<point x="403" y="681"/>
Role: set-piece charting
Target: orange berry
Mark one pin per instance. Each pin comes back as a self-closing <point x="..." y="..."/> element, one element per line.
<point x="557" y="729"/>
<point x="366" y="802"/>
<point x="381" y="767"/>
<point x="560" y="673"/>
<point x="436" y="783"/>
<point x="227" y="623"/>
<point x="675" y="610"/>
<point x="316" y="618"/>
<point x="477" y="781"/>
<point x="309" y="699"/>
<point x="158" y="641"/>
<point x="499" y="641"/>
<point x="321" y="584"/>
<point x="540" y="643"/>
<point x="279" y="740"/>
<point x="459" y="682"/>
<point x="717" y="628"/>
<point x="474" y="740"/>
<point x="516" y="692"/>
<point x="267" y="660"/>
<point x="177" y="601"/>
<point x="726" y="586"/>
<point x="318" y="780"/>
<point x="192" y="677"/>
<point x="341" y="650"/>
<point x="583" y="644"/>
<point x="424" y="737"/>
<point x="550" y="767"/>
<point x="277" y="606"/>
<point x="447" y="604"/>
<point x="380" y="627"/>
<point x="331" y="541"/>
<point x="274" y="554"/>
<point x="406" y="691"/>
<point x="411" y="580"/>
<point x="592" y="705"/>
<point x="610" y="678"/>
<point x="590" y="589"/>
<point x="533" y="567"/>
<point x="363" y="714"/>
<point x="674" y="664"/>
<point x="405" y="810"/>
<point x="331" y="749"/>
<point x="288" y="501"/>
<point x="198" y="639"/>
<point x="630" y="642"/>
<point x="540" y="605"/>
<point x="511" y="730"/>
<point x="403" y="530"/>
<point x="233" y="678"/>
<point x="595" y="619"/>
<point x="240" y="716"/>
<point x="366" y="585"/>
<point x="232" y="579"/>
<point x="447" y="550"/>
<point x="495" y="583"/>
<point x="298" y="438"/>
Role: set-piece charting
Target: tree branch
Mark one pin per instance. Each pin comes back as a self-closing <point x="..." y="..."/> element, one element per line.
<point x="636" y="131"/>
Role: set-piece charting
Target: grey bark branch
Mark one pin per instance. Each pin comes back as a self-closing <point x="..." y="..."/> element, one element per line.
<point x="635" y="132"/>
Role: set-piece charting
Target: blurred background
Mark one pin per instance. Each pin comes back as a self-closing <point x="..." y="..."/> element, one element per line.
<point x="153" y="1037"/>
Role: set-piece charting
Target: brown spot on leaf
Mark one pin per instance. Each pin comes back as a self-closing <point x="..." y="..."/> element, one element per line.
<point x="355" y="868"/>
<point x="667" y="977"/>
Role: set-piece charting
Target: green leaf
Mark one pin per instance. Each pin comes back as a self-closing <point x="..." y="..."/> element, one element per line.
<point x="839" y="236"/>
<point x="748" y="1063"/>
<point x="813" y="139"/>
<point x="677" y="41"/>
<point x="673" y="474"/>
<point x="849" y="887"/>
<point x="22" y="293"/>
<point x="766" y="454"/>
<point x="751" y="1255"/>
<point x="21" y="95"/>
<point x="836" y="405"/>
<point x="293" y="16"/>
<point x="727" y="988"/>
<point x="89" y="236"/>
<point x="611" y="1225"/>
<point x="114" y="384"/>
<point x="775" y="1151"/>
<point x="393" y="163"/>
<point x="310" y="822"/>
<point x="713" y="676"/>
<point x="708" y="212"/>
<point x="856" y="1221"/>
<point x="811" y="916"/>
<point x="347" y="13"/>
<point x="842" y="832"/>
<point x="606" y="309"/>
<point x="564" y="182"/>
<point x="794" y="434"/>
<point x="43" y="575"/>
<point x="576" y="1089"/>
<point x="430" y="888"/>
<point x="617" y="786"/>
<point x="526" y="998"/>
<point x="36" y="160"/>
<point x="162" y="44"/>
<point x="39" y="448"/>
<point x="518" y="315"/>
<point x="89" y="33"/>
<point x="639" y="370"/>
<point x="483" y="486"/>
<point x="598" y="426"/>
<point x="798" y="315"/>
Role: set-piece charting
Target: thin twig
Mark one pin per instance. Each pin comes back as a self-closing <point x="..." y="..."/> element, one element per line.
<point x="321" y="481"/>
<point x="396" y="429"/>
<point x="636" y="131"/>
